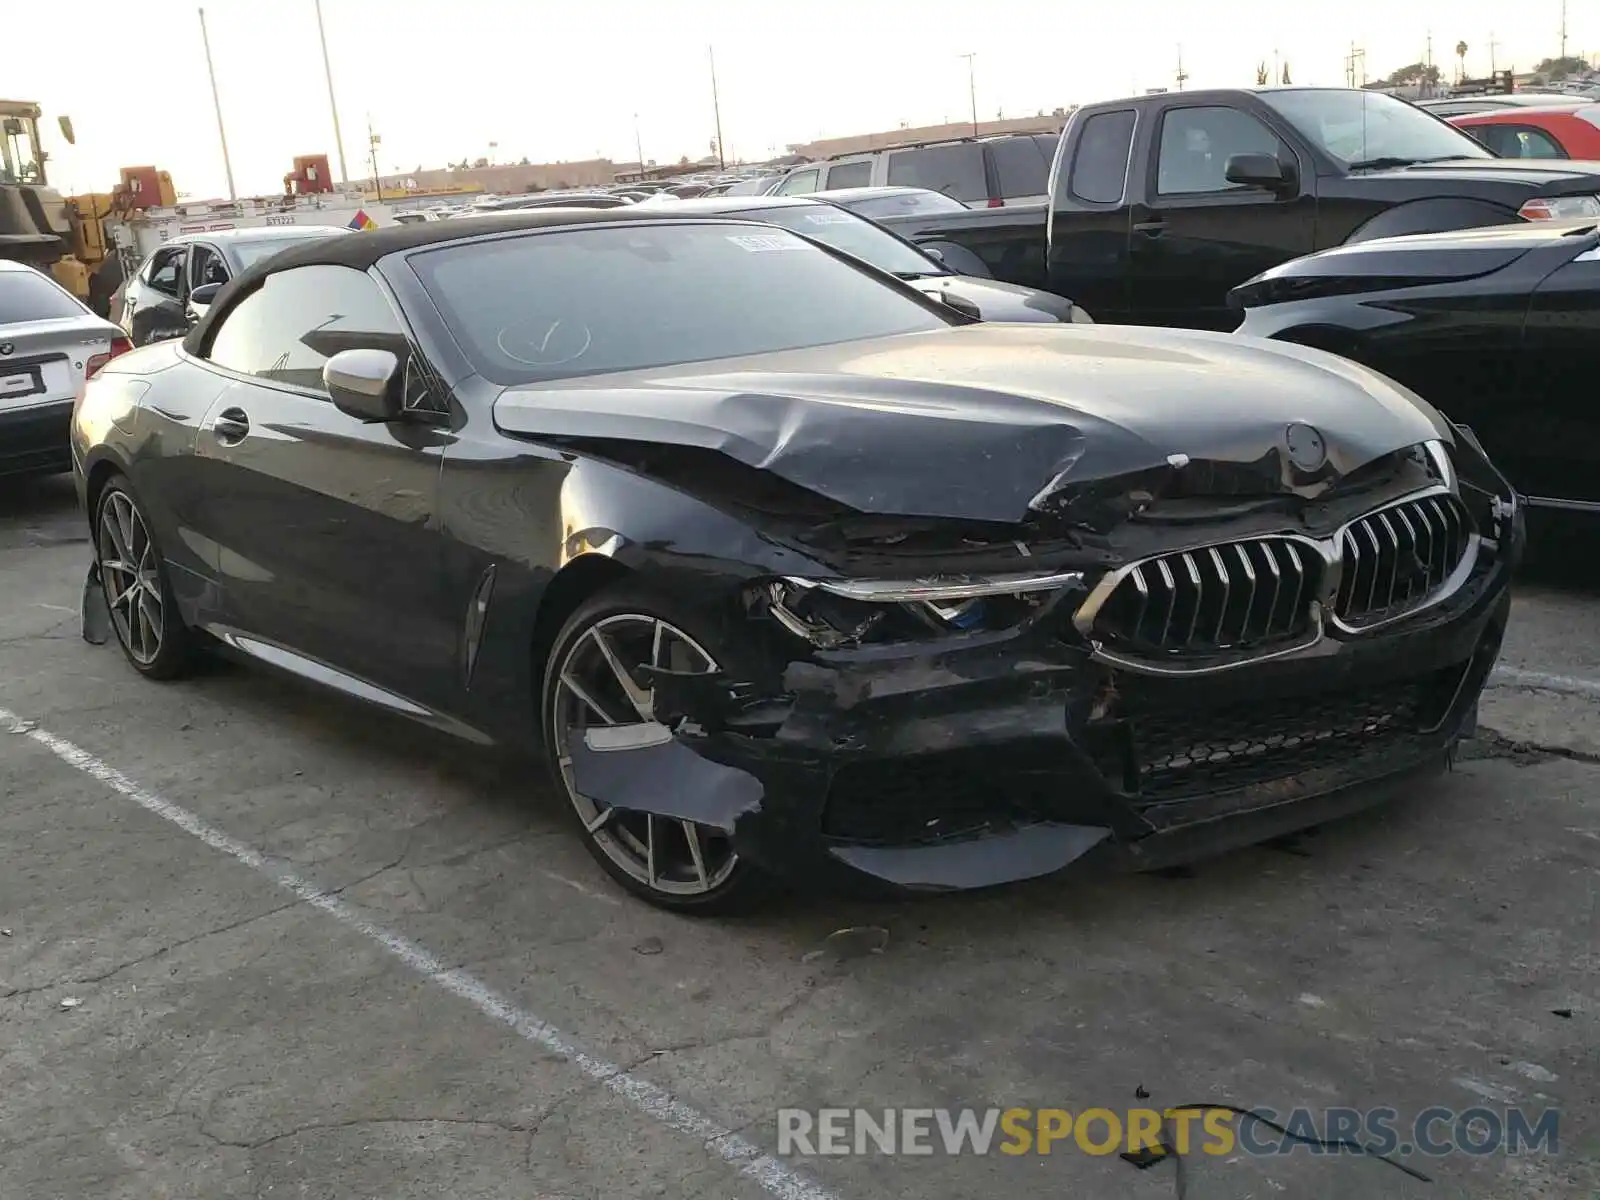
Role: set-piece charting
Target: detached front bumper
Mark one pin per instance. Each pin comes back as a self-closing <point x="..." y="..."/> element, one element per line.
<point x="1011" y="757"/>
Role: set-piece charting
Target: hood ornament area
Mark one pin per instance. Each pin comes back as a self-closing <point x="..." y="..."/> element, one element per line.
<point x="1307" y="448"/>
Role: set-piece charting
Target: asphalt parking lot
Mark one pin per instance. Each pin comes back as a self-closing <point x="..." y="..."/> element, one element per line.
<point x="316" y="953"/>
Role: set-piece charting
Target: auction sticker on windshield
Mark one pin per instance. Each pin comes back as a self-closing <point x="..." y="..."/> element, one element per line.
<point x="828" y="218"/>
<point x="758" y="242"/>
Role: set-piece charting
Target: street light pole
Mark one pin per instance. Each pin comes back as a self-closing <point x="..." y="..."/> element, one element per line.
<point x="373" y="141"/>
<point x="972" y="90"/>
<point x="638" y="146"/>
<point x="333" y="105"/>
<point x="216" y="102"/>
<point x="716" y="108"/>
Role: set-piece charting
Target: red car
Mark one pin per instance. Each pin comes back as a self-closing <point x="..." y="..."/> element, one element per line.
<point x="1537" y="132"/>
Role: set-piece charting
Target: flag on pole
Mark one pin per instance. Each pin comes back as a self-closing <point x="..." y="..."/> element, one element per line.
<point x="362" y="221"/>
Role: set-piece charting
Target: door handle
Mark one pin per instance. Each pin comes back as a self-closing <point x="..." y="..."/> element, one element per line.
<point x="1150" y="228"/>
<point x="230" y="426"/>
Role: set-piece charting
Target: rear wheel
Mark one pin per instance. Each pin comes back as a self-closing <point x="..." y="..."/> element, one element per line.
<point x="591" y="680"/>
<point x="144" y="614"/>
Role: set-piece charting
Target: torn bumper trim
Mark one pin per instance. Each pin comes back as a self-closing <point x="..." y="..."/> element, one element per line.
<point x="1016" y="854"/>
<point x="668" y="779"/>
<point x="95" y="612"/>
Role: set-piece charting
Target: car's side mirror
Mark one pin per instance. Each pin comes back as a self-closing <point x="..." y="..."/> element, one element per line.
<point x="365" y="384"/>
<point x="1259" y="170"/>
<point x="205" y="293"/>
<point x="934" y="253"/>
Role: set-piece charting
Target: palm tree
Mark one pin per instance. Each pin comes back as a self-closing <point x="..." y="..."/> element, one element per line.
<point x="1461" y="61"/>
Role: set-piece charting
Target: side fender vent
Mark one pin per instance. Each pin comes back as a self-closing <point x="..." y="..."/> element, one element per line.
<point x="477" y="614"/>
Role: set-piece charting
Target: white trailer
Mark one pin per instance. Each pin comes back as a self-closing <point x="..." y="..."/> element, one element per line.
<point x="137" y="236"/>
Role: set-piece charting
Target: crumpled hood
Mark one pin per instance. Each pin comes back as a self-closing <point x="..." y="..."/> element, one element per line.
<point x="989" y="422"/>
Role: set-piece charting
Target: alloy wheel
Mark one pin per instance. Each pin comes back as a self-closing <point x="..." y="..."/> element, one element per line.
<point x="130" y="575"/>
<point x="596" y="686"/>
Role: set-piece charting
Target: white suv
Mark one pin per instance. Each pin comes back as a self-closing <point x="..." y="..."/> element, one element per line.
<point x="980" y="172"/>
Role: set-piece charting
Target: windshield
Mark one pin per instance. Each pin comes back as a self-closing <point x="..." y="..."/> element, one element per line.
<point x="851" y="234"/>
<point x="27" y="296"/>
<point x="250" y="253"/>
<point x="1360" y="128"/>
<point x="581" y="301"/>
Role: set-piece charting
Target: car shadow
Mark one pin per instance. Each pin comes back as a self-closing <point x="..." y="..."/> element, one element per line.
<point x="40" y="512"/>
<point x="37" y="496"/>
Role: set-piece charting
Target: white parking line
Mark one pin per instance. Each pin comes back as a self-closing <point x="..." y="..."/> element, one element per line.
<point x="771" y="1174"/>
<point x="1571" y="685"/>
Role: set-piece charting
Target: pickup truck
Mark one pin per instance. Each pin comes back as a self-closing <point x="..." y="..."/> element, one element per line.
<point x="1159" y="205"/>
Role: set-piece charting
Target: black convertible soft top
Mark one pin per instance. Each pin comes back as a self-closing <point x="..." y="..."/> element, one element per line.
<point x="361" y="250"/>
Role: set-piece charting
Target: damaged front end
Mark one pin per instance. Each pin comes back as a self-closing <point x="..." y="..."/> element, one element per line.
<point x="1151" y="667"/>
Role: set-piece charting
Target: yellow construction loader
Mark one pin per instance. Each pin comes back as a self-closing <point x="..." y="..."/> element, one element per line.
<point x="68" y="236"/>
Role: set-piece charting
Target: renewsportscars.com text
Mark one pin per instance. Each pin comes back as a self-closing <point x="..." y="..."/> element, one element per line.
<point x="1216" y="1131"/>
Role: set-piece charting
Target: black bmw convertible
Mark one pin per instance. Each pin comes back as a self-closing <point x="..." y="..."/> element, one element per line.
<point x="792" y="572"/>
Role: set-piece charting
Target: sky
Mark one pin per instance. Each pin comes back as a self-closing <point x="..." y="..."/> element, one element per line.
<point x="442" y="79"/>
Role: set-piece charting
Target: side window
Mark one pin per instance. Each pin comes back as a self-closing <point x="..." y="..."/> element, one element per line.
<point x="298" y="319"/>
<point x="162" y="273"/>
<point x="1499" y="138"/>
<point x="1196" y="144"/>
<point x="206" y="266"/>
<point x="800" y="181"/>
<point x="853" y="174"/>
<point x="1022" y="166"/>
<point x="419" y="394"/>
<point x="1519" y="141"/>
<point x="955" y="170"/>
<point x="1100" y="159"/>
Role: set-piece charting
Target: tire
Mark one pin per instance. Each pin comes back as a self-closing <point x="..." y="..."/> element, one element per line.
<point x="122" y="537"/>
<point x="710" y="880"/>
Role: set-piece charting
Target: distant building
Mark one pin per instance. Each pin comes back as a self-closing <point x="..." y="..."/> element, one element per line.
<point x="633" y="172"/>
<point x="503" y="180"/>
<point x="827" y="147"/>
<point x="1521" y="81"/>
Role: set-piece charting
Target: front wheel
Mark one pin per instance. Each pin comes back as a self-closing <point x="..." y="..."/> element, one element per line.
<point x="143" y="611"/>
<point x="591" y="680"/>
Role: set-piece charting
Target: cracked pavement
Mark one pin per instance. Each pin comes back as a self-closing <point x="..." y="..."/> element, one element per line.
<point x="235" y="1041"/>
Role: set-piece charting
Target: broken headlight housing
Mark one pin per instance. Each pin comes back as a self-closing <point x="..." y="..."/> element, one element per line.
<point x="830" y="613"/>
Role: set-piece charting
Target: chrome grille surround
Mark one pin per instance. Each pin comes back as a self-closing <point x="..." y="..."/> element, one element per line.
<point x="1383" y="566"/>
<point x="1392" y="560"/>
<point x="1217" y="598"/>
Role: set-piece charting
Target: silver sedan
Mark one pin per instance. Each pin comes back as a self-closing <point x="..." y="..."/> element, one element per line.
<point x="50" y="344"/>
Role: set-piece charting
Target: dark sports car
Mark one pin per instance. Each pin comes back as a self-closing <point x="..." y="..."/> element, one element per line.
<point x="1497" y="327"/>
<point x="793" y="571"/>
